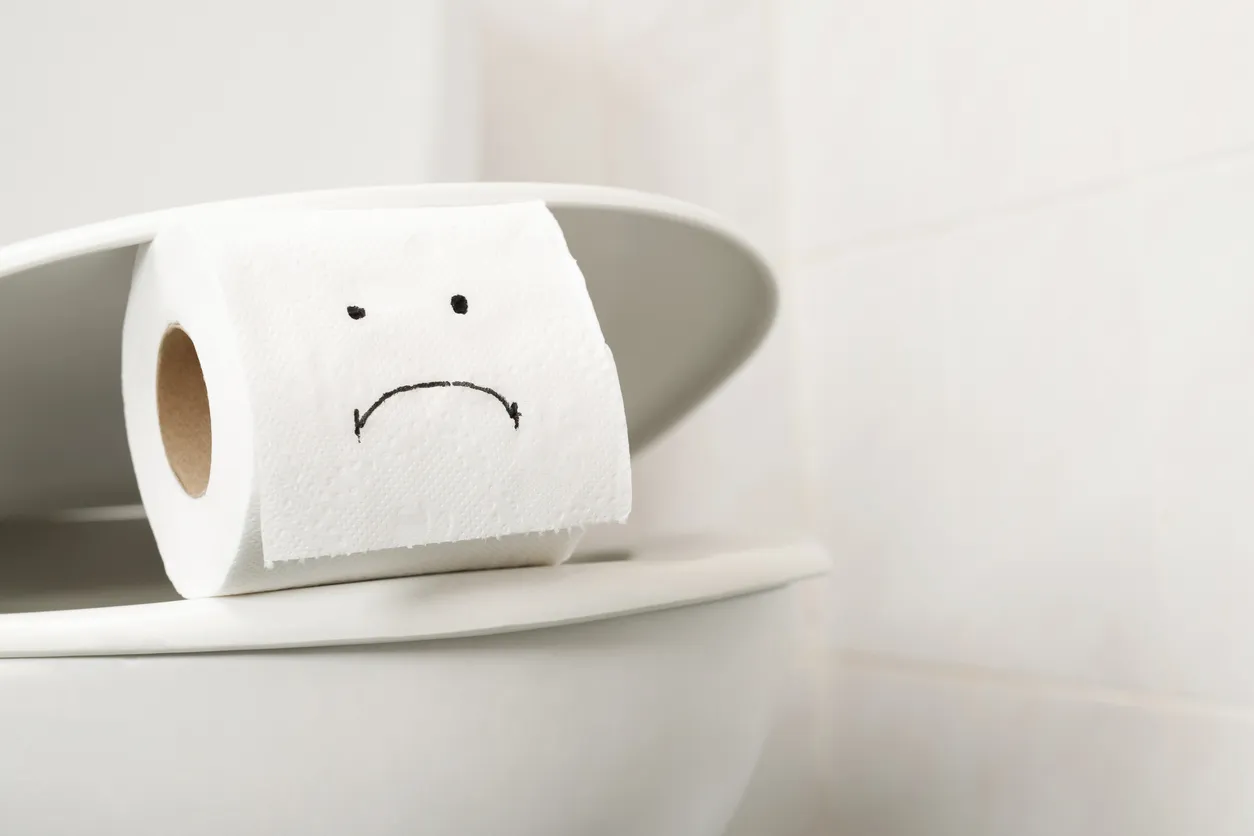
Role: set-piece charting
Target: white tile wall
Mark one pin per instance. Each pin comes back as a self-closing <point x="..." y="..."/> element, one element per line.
<point x="632" y="95"/>
<point x="542" y="82"/>
<point x="1022" y="260"/>
<point x="1195" y="259"/>
<point x="901" y="113"/>
<point x="1190" y="70"/>
<point x="1031" y="436"/>
<point x="691" y="101"/>
<point x="134" y="105"/>
<point x="959" y="757"/>
<point x="974" y="408"/>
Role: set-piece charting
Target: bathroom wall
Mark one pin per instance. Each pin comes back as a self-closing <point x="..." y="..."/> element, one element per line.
<point x="1018" y="235"/>
<point x="115" y="107"/>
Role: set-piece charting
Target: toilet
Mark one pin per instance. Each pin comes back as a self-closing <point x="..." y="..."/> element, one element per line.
<point x="625" y="693"/>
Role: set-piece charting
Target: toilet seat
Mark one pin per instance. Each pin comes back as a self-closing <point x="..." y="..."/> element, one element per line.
<point x="417" y="608"/>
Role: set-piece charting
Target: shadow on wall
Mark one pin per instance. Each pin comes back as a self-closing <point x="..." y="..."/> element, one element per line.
<point x="561" y="104"/>
<point x="544" y="109"/>
<point x="62" y="566"/>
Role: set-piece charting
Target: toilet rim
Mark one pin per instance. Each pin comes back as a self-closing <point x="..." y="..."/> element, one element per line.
<point x="417" y="608"/>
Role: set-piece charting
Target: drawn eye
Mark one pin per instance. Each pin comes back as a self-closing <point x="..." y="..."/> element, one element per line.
<point x="355" y="312"/>
<point x="459" y="304"/>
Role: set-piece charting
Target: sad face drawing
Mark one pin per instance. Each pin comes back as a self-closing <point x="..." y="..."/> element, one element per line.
<point x="413" y="376"/>
<point x="459" y="305"/>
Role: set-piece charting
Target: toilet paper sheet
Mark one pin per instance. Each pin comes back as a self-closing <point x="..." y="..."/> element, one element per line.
<point x="390" y="379"/>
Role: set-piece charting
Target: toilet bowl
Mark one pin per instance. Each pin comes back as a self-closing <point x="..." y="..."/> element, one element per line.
<point x="625" y="692"/>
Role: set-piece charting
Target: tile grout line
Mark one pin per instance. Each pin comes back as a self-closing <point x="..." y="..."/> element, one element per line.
<point x="908" y="233"/>
<point x="1041" y="687"/>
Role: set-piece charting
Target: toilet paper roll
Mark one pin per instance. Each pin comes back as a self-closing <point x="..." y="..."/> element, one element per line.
<point x="324" y="396"/>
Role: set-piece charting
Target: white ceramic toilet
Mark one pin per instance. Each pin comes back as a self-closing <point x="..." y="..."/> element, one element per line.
<point x="626" y="692"/>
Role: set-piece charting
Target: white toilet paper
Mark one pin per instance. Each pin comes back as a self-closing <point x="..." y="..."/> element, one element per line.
<point x="320" y="396"/>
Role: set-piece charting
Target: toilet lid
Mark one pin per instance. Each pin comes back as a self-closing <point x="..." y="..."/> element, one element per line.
<point x="40" y="615"/>
<point x="682" y="300"/>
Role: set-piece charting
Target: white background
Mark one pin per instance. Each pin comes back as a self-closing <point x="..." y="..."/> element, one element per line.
<point x="1009" y="390"/>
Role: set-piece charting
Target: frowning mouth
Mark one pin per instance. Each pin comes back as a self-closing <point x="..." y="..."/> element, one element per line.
<point x="360" y="418"/>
